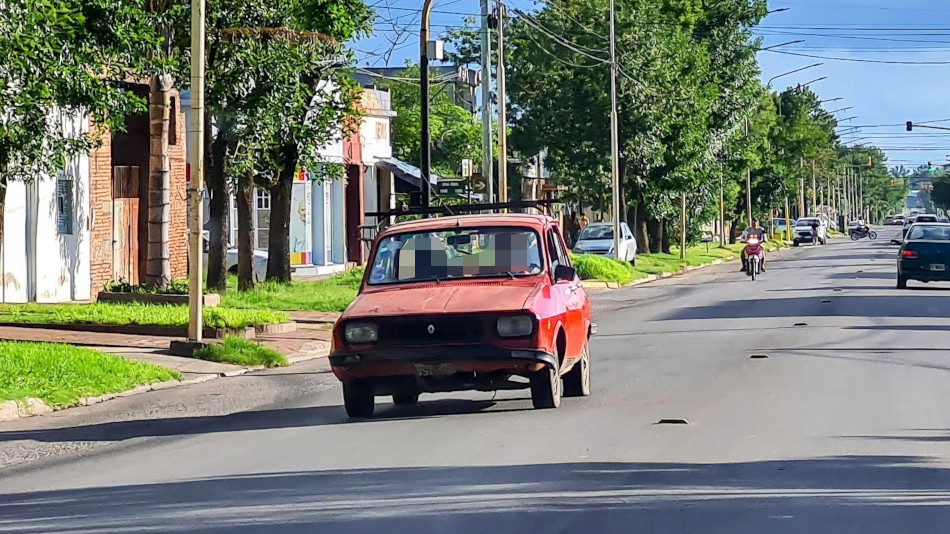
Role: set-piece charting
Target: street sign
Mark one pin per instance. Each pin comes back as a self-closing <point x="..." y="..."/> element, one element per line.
<point x="480" y="185"/>
<point x="451" y="188"/>
<point x="466" y="168"/>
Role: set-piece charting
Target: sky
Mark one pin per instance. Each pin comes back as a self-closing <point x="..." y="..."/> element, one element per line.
<point x="887" y="60"/>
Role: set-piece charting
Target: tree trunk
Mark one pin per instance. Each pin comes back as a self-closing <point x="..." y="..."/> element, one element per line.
<point x="640" y="227"/>
<point x="158" y="265"/>
<point x="655" y="232"/>
<point x="278" y="249"/>
<point x="245" y="237"/>
<point x="667" y="233"/>
<point x="217" y="208"/>
<point x="732" y="232"/>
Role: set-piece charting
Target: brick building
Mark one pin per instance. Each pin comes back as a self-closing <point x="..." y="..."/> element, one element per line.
<point x="96" y="214"/>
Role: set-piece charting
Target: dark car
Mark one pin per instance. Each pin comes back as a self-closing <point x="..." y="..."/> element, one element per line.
<point x="922" y="218"/>
<point x="924" y="255"/>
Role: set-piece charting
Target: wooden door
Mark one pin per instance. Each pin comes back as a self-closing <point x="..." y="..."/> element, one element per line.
<point x="125" y="246"/>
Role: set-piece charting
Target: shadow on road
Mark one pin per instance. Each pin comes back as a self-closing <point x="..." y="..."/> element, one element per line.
<point x="257" y="420"/>
<point x="847" y="494"/>
<point x="901" y="304"/>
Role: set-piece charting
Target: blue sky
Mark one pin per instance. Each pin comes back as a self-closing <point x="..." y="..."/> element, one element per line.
<point x="863" y="31"/>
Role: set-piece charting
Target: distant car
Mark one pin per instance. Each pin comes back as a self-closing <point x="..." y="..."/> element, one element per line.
<point x="231" y="262"/>
<point x="923" y="218"/>
<point x="477" y="302"/>
<point x="889" y="220"/>
<point x="898" y="220"/>
<point x="924" y="254"/>
<point x="598" y="238"/>
<point x="779" y="225"/>
<point x="803" y="231"/>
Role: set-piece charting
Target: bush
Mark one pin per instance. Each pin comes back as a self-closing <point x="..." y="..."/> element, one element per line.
<point x="592" y="267"/>
<point x="177" y="287"/>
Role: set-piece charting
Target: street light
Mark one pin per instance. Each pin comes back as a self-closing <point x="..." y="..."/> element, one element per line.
<point x="773" y="78"/>
<point x="830" y="100"/>
<point x="816" y="80"/>
<point x="782" y="44"/>
<point x="840" y="110"/>
<point x="779" y="10"/>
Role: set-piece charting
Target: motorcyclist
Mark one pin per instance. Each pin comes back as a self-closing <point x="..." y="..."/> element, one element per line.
<point x="759" y="233"/>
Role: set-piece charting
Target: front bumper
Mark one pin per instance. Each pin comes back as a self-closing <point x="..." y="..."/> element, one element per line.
<point x="441" y="360"/>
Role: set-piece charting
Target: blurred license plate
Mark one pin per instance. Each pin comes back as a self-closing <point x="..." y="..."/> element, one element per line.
<point x="938" y="267"/>
<point x="441" y="369"/>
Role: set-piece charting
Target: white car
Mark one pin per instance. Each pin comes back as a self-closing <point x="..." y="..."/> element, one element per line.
<point x="260" y="261"/>
<point x="598" y="238"/>
<point x="803" y="231"/>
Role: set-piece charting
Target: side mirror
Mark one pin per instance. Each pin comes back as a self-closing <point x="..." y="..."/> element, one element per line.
<point x="564" y="273"/>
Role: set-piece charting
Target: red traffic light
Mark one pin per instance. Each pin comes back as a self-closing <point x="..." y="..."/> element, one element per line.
<point x="910" y="126"/>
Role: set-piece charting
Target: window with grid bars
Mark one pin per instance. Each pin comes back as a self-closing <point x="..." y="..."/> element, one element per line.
<point x="64" y="206"/>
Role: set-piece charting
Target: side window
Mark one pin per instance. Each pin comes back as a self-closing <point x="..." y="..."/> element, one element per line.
<point x="556" y="251"/>
<point x="64" y="206"/>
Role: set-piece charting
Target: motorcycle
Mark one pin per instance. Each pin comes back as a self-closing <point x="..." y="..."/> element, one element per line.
<point x="754" y="255"/>
<point x="859" y="233"/>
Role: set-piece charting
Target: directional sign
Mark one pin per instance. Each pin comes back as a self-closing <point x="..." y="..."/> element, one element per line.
<point x="480" y="184"/>
<point x="451" y="188"/>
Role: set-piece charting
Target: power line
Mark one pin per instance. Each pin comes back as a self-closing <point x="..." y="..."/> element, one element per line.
<point x="857" y="60"/>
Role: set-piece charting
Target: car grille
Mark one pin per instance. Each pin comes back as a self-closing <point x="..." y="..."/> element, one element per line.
<point x="449" y="329"/>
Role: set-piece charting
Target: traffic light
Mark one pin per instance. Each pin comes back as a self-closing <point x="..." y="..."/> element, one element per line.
<point x="910" y="126"/>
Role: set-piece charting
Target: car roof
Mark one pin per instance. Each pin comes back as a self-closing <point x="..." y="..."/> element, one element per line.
<point x="536" y="222"/>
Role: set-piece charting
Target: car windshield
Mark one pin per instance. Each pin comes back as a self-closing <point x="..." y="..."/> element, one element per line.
<point x="597" y="231"/>
<point x="805" y="222"/>
<point x="935" y="233"/>
<point x="456" y="253"/>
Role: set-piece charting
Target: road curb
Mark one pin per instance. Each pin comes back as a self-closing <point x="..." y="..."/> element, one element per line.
<point x="13" y="410"/>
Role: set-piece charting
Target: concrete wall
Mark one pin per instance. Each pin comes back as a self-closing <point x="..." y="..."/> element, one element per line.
<point x="38" y="262"/>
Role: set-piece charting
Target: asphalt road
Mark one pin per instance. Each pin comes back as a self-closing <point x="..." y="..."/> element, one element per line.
<point x="845" y="427"/>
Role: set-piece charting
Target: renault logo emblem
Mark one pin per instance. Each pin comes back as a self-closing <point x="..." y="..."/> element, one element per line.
<point x="431" y="329"/>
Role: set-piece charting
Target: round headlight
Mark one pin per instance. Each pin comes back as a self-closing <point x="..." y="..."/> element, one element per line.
<point x="518" y="326"/>
<point x="360" y="333"/>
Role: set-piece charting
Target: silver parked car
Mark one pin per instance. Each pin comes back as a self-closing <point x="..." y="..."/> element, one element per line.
<point x="598" y="238"/>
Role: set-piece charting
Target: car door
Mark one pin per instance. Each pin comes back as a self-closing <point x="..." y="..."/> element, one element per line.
<point x="576" y="313"/>
<point x="629" y="244"/>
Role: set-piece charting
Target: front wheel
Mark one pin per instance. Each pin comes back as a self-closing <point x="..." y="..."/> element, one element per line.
<point x="577" y="380"/>
<point x="872" y="235"/>
<point x="358" y="399"/>
<point x="753" y="268"/>
<point x="546" y="388"/>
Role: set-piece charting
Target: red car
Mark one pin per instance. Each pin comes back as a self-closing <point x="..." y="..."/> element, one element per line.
<point x="479" y="302"/>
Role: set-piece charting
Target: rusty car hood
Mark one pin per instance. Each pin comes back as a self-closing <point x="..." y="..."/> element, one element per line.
<point x="470" y="296"/>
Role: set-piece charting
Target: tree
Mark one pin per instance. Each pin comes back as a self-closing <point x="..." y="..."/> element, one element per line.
<point x="62" y="59"/>
<point x="455" y="135"/>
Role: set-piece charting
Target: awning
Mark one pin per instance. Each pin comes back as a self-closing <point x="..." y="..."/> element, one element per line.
<point x="409" y="176"/>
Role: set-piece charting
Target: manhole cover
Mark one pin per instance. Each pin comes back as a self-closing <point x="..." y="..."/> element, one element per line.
<point x="672" y="422"/>
<point x="759" y="356"/>
<point x="826" y="301"/>
<point x="801" y="324"/>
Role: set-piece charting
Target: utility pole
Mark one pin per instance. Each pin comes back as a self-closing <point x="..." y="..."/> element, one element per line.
<point x="748" y="184"/>
<point x="788" y="222"/>
<point x="614" y="137"/>
<point x="683" y="226"/>
<point x="814" y="190"/>
<point x="197" y="183"/>
<point x="487" y="159"/>
<point x="426" y="145"/>
<point x="861" y="196"/>
<point x="722" y="211"/>
<point x="801" y="186"/>
<point x="502" y="111"/>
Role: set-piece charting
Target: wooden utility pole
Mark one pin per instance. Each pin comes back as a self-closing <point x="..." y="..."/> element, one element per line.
<point x="788" y="222"/>
<point x="814" y="190"/>
<point x="722" y="211"/>
<point x="748" y="184"/>
<point x="614" y="138"/>
<point x="197" y="183"/>
<point x="502" y="111"/>
<point x="683" y="226"/>
<point x="487" y="159"/>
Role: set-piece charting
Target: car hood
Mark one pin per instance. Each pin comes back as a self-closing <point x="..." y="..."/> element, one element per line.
<point x="469" y="296"/>
<point x="595" y="243"/>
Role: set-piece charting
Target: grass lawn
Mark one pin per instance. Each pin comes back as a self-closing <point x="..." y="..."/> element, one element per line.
<point x="590" y="267"/>
<point x="242" y="352"/>
<point x="332" y="294"/>
<point x="60" y="375"/>
<point x="133" y="314"/>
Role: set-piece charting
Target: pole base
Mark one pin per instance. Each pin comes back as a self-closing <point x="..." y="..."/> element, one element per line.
<point x="185" y="348"/>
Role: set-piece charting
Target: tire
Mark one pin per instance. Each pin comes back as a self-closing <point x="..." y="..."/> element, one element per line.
<point x="872" y="234"/>
<point x="854" y="236"/>
<point x="794" y="243"/>
<point x="577" y="380"/>
<point x="753" y="268"/>
<point x="358" y="399"/>
<point x="406" y="398"/>
<point x="901" y="282"/>
<point x="546" y="389"/>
